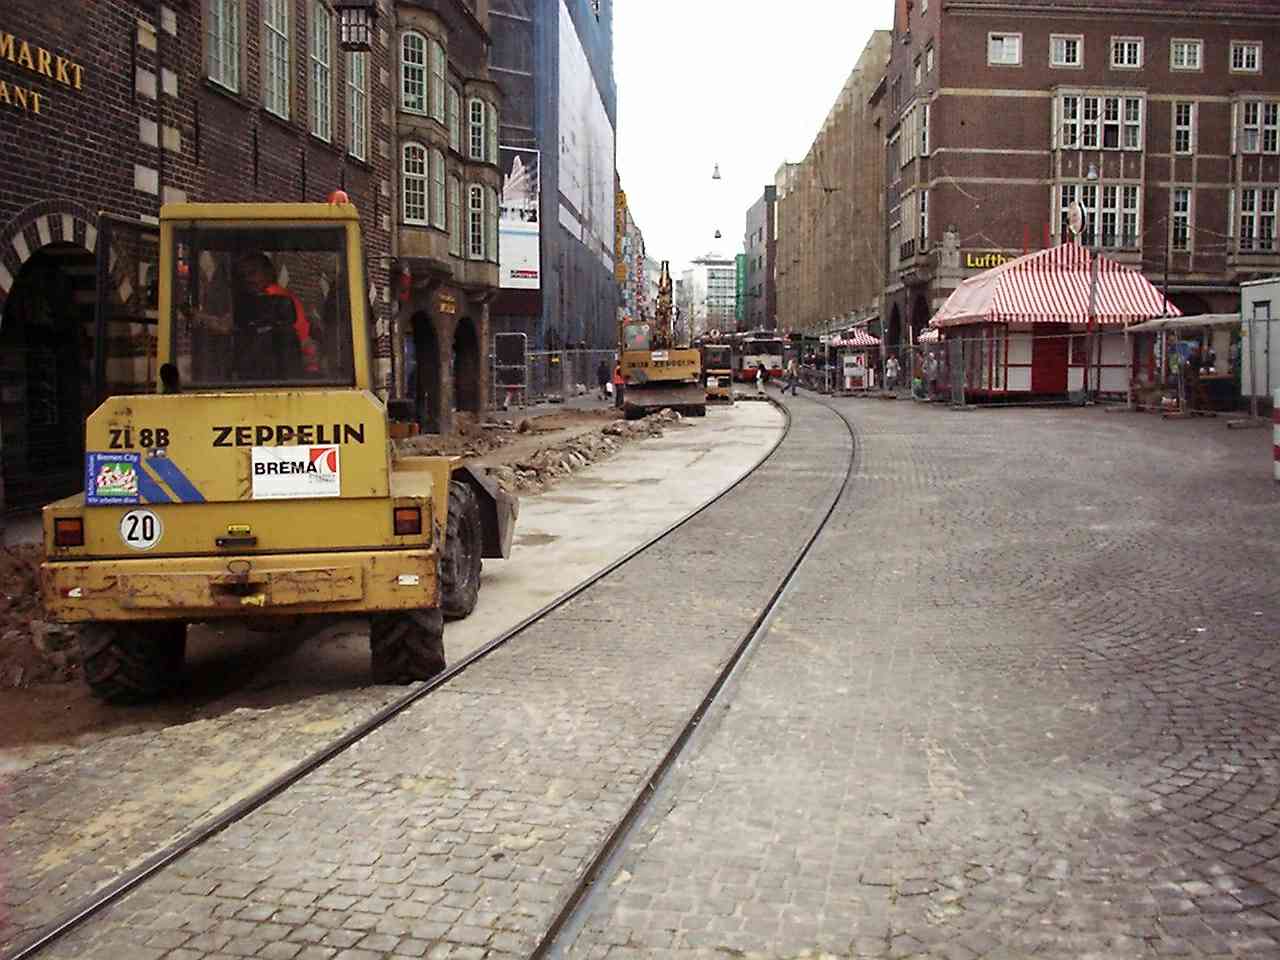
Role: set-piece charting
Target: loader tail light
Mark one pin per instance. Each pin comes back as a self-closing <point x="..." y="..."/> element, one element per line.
<point x="68" y="532"/>
<point x="408" y="521"/>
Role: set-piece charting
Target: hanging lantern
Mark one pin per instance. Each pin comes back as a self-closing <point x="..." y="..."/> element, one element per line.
<point x="716" y="174"/>
<point x="356" y="19"/>
<point x="717" y="234"/>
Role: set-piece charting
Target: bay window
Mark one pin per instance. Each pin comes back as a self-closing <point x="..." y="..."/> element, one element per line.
<point x="413" y="72"/>
<point x="413" y="183"/>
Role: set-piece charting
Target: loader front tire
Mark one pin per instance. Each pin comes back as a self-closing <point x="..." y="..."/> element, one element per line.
<point x="406" y="645"/>
<point x="128" y="663"/>
<point x="460" y="562"/>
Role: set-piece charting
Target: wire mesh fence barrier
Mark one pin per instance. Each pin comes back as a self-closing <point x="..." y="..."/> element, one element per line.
<point x="550" y="375"/>
<point x="1186" y="373"/>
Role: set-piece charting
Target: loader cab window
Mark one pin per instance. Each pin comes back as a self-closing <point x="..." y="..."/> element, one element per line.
<point x="636" y="336"/>
<point x="261" y="307"/>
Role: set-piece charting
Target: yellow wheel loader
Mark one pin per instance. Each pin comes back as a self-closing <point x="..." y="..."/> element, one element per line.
<point x="258" y="481"/>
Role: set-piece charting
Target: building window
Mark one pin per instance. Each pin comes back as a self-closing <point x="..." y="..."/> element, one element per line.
<point x="413" y="183"/>
<point x="477" y="139"/>
<point x="1180" y="203"/>
<point x="455" y="119"/>
<point x="1184" y="127"/>
<point x="928" y="59"/>
<point x="413" y="73"/>
<point x="1119" y="216"/>
<point x="275" y="60"/>
<point x="437" y="81"/>
<point x="1087" y="195"/>
<point x="1066" y="50"/>
<point x="1258" y="219"/>
<point x="475" y="222"/>
<point x="224" y="43"/>
<point x="491" y="224"/>
<point x="924" y="129"/>
<point x="1004" y="49"/>
<point x="455" y="216"/>
<point x="491" y="138"/>
<point x="919" y="72"/>
<point x="437" y="189"/>
<point x="1259" y="130"/>
<point x="1246" y="57"/>
<point x="1186" y="54"/>
<point x="924" y="220"/>
<point x="321" y="106"/>
<point x="1126" y="53"/>
<point x="358" y="105"/>
<point x="1113" y="123"/>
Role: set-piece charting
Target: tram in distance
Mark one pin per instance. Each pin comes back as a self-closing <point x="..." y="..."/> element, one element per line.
<point x="753" y="349"/>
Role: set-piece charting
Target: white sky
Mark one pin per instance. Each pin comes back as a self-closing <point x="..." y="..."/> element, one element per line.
<point x="742" y="83"/>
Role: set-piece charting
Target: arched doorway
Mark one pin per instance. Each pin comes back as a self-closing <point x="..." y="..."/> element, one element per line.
<point x="919" y="317"/>
<point x="46" y="374"/>
<point x="466" y="367"/>
<point x="424" y="379"/>
<point x="895" y="327"/>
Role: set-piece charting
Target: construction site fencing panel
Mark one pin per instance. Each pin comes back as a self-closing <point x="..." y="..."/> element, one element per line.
<point x="551" y="375"/>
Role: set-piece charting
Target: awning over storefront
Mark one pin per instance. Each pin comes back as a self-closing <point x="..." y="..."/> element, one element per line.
<point x="1198" y="322"/>
<point x="1053" y="286"/>
<point x="857" y="337"/>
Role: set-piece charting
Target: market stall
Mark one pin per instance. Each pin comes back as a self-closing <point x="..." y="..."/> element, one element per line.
<point x="857" y="351"/>
<point x="1042" y="325"/>
<point x="1185" y="363"/>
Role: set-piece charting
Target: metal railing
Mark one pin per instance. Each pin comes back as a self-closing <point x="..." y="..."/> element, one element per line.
<point x="555" y="375"/>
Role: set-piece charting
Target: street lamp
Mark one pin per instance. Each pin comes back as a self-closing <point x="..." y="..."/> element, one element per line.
<point x="1092" y="177"/>
<point x="355" y="24"/>
<point x="716" y="173"/>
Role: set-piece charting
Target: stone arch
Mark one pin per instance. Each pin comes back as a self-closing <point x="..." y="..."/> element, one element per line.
<point x="467" y="367"/>
<point x="894" y="333"/>
<point x="427" y="386"/>
<point x="920" y="315"/>
<point x="40" y="225"/>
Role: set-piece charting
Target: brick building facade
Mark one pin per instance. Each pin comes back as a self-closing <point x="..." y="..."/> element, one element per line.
<point x="448" y="185"/>
<point x="998" y="110"/>
<point x="109" y="108"/>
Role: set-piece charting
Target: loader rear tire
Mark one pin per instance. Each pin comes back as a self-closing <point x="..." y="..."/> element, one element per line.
<point x="128" y="663"/>
<point x="406" y="645"/>
<point x="460" y="562"/>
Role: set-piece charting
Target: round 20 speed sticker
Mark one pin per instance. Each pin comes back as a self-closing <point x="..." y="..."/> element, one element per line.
<point x="141" y="529"/>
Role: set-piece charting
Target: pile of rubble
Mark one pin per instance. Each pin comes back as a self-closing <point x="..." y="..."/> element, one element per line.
<point x="31" y="650"/>
<point x="552" y="463"/>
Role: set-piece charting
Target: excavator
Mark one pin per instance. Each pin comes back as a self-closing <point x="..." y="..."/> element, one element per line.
<point x="657" y="372"/>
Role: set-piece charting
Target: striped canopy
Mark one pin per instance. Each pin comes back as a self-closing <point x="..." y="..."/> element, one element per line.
<point x="1053" y="286"/>
<point x="857" y="337"/>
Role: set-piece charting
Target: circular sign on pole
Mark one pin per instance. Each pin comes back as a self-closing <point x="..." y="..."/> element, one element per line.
<point x="1075" y="218"/>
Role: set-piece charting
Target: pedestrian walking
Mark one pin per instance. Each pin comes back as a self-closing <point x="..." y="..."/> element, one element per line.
<point x="618" y="386"/>
<point x="760" y="378"/>
<point x="891" y="374"/>
<point x="602" y="379"/>
<point x="793" y="377"/>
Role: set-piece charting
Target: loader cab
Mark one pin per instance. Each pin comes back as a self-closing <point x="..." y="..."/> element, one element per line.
<point x="261" y="298"/>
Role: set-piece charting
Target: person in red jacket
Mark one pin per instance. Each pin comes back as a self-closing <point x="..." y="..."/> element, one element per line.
<point x="256" y="275"/>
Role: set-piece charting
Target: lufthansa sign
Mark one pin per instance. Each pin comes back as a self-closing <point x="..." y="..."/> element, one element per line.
<point x="983" y="260"/>
<point x="41" y="62"/>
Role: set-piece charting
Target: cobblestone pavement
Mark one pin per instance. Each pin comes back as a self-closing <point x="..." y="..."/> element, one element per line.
<point x="457" y="829"/>
<point x="73" y="816"/>
<point x="1022" y="701"/>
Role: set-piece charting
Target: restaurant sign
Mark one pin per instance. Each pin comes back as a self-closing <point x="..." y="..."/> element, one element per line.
<point x="983" y="259"/>
<point x="39" y="61"/>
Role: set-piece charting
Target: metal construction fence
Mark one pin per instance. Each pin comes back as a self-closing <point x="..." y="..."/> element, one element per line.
<point x="1188" y="375"/>
<point x="550" y="375"/>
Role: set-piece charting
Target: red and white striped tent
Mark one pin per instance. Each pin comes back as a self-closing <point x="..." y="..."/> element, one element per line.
<point x="857" y="337"/>
<point x="1028" y="319"/>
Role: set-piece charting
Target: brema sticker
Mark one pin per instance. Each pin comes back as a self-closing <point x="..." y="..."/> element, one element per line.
<point x="111" y="478"/>
<point x="296" y="473"/>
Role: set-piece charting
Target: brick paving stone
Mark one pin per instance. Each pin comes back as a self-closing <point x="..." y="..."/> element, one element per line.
<point x="1024" y="695"/>
<point x="533" y="754"/>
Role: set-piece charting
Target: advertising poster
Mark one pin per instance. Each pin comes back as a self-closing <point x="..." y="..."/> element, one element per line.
<point x="518" y="227"/>
<point x="586" y="149"/>
<point x="295" y="473"/>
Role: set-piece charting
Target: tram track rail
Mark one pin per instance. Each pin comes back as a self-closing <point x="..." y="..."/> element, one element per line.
<point x="560" y="936"/>
<point x="110" y="893"/>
